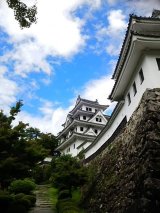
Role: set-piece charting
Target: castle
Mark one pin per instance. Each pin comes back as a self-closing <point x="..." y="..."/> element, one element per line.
<point x="83" y="124"/>
<point x="137" y="69"/>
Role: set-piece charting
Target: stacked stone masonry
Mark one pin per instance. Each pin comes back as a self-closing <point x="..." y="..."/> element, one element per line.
<point x="125" y="177"/>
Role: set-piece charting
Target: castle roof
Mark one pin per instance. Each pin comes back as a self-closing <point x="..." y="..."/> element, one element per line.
<point x="138" y="29"/>
<point x="79" y="122"/>
<point x="81" y="101"/>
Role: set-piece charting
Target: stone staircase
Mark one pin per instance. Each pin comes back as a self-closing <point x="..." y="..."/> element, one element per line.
<point x="43" y="204"/>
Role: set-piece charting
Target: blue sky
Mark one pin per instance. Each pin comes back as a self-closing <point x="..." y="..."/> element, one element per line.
<point x="71" y="50"/>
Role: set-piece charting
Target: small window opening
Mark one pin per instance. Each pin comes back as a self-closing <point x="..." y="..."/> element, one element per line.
<point x="98" y="119"/>
<point x="134" y="88"/>
<point x="96" y="131"/>
<point x="74" y="146"/>
<point x="84" y="117"/>
<point x="158" y="62"/>
<point x="81" y="129"/>
<point x="129" y="98"/>
<point x="141" y="76"/>
<point x="68" y="150"/>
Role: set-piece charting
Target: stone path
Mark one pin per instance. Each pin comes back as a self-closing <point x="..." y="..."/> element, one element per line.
<point x="43" y="204"/>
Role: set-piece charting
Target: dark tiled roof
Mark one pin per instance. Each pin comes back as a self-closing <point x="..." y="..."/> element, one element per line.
<point x="79" y="99"/>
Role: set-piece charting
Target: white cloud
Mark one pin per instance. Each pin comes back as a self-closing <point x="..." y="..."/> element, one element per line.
<point x="111" y="35"/>
<point x="98" y="89"/>
<point x="50" y="119"/>
<point x="57" y="33"/>
<point x="142" y="7"/>
<point x="113" y="50"/>
<point x="112" y="2"/>
<point x="117" y="23"/>
<point x="8" y="90"/>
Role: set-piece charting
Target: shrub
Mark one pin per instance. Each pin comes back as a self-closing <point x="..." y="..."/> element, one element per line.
<point x="22" y="186"/>
<point x="64" y="194"/>
<point x="31" y="198"/>
<point x="66" y="205"/>
<point x="24" y="202"/>
<point x="19" y="196"/>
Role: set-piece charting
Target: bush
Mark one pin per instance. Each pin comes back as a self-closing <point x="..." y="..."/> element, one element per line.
<point x="24" y="202"/>
<point x="66" y="205"/>
<point x="22" y="186"/>
<point x="19" y="196"/>
<point x="64" y="194"/>
<point x="31" y="198"/>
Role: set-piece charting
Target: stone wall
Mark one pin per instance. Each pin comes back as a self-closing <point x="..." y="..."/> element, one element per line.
<point x="126" y="176"/>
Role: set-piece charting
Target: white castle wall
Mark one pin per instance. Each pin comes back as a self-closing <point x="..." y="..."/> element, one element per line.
<point x="73" y="148"/>
<point x="151" y="80"/>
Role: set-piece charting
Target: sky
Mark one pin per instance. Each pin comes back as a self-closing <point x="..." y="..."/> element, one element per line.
<point x="72" y="50"/>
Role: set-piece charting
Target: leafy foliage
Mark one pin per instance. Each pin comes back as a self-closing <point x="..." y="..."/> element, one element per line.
<point x="68" y="172"/>
<point x="21" y="147"/>
<point x="25" y="186"/>
<point x="24" y="15"/>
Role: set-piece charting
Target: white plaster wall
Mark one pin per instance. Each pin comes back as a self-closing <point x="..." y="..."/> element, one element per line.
<point x="84" y="146"/>
<point x="73" y="151"/>
<point x="107" y="135"/>
<point x="102" y="122"/>
<point x="151" y="80"/>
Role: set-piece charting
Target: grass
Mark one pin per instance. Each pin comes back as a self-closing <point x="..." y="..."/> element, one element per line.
<point x="76" y="198"/>
<point x="53" y="194"/>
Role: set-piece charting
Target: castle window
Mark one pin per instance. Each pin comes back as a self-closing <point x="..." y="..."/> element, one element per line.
<point x="84" y="117"/>
<point x="141" y="76"/>
<point x="158" y="62"/>
<point x="96" y="131"/>
<point x="129" y="98"/>
<point x="74" y="146"/>
<point x="134" y="88"/>
<point x="68" y="150"/>
<point x="88" y="109"/>
<point x="81" y="129"/>
<point x="98" y="119"/>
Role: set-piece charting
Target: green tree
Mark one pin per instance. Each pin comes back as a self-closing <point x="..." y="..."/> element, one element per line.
<point x="68" y="172"/>
<point x="48" y="141"/>
<point x="18" y="153"/>
<point x="23" y="14"/>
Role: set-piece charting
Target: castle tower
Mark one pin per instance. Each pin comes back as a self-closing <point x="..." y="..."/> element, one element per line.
<point x="83" y="123"/>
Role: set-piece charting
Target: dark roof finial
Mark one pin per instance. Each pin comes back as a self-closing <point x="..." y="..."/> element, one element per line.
<point x="78" y="99"/>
